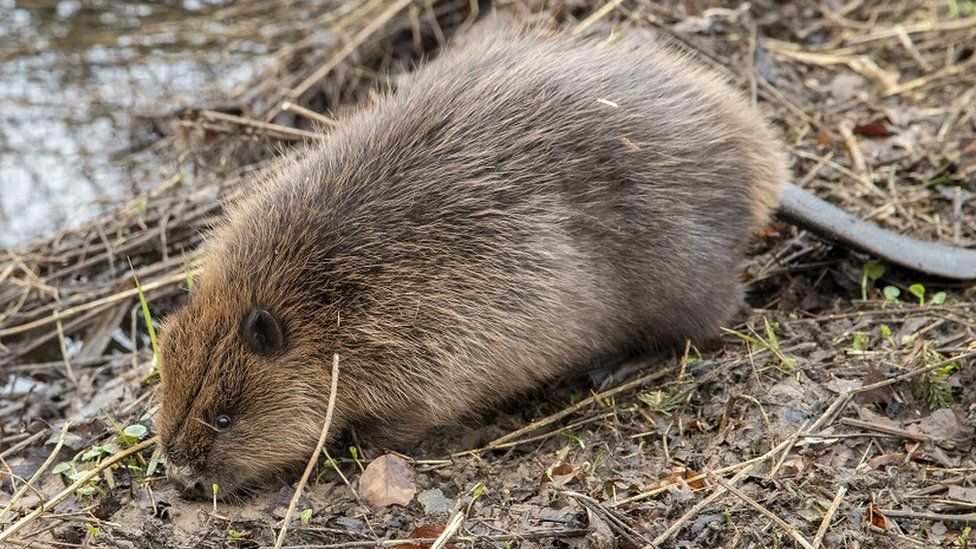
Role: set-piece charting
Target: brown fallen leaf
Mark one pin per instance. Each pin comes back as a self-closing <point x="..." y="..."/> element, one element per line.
<point x="684" y="474"/>
<point x="874" y="129"/>
<point x="426" y="531"/>
<point x="873" y="516"/>
<point x="387" y="480"/>
<point x="885" y="459"/>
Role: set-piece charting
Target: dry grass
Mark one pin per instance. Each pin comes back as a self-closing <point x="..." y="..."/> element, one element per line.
<point x="815" y="429"/>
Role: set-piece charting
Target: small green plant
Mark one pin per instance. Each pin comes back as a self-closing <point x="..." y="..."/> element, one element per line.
<point x="771" y="344"/>
<point x="886" y="332"/>
<point x="861" y="340"/>
<point x="963" y="539"/>
<point x="92" y="529"/>
<point x="215" y="489"/>
<point x="891" y="294"/>
<point x="939" y="298"/>
<point x="157" y="363"/>
<point x="918" y="291"/>
<point x="306" y="516"/>
<point x="354" y="452"/>
<point x="662" y="402"/>
<point x="871" y="271"/>
<point x="931" y="387"/>
<point x="237" y="534"/>
<point x="575" y="438"/>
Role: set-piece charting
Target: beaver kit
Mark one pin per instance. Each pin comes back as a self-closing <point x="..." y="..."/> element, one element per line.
<point x="524" y="207"/>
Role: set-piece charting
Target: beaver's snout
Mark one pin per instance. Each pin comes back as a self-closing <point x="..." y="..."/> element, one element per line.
<point x="186" y="481"/>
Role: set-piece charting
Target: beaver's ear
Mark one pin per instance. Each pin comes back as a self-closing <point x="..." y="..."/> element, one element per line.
<point x="263" y="333"/>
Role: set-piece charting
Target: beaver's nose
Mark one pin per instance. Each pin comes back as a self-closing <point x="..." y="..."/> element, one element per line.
<point x="184" y="479"/>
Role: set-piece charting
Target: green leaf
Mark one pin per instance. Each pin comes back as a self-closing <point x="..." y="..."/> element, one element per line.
<point x="939" y="298"/>
<point x="861" y="340"/>
<point x="306" y="516"/>
<point x="918" y="291"/>
<point x="92" y="453"/>
<point x="62" y="467"/>
<point x="891" y="293"/>
<point x="136" y="431"/>
<point x="873" y="270"/>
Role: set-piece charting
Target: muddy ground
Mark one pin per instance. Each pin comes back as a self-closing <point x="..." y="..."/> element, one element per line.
<point x="838" y="413"/>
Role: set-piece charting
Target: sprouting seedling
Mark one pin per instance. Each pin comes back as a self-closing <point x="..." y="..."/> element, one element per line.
<point x="871" y="271"/>
<point x="215" y="489"/>
<point x="891" y="294"/>
<point x="148" y="317"/>
<point x="939" y="298"/>
<point x="771" y="343"/>
<point x="918" y="291"/>
<point x="886" y="332"/>
<point x="306" y="516"/>
<point x="354" y="452"/>
<point x="861" y="340"/>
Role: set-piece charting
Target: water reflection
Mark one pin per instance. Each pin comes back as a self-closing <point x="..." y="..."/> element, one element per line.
<point x="74" y="75"/>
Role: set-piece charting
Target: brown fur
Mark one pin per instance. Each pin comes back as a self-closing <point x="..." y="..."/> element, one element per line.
<point x="524" y="207"/>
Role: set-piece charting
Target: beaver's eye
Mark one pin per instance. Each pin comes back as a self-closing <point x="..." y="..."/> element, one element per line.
<point x="262" y="332"/>
<point x="223" y="422"/>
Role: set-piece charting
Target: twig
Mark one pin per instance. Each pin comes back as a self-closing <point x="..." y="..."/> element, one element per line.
<point x="114" y="298"/>
<point x="676" y="525"/>
<point x="643" y="380"/>
<point x="78" y="483"/>
<point x="315" y="455"/>
<point x="37" y="474"/>
<point x="825" y="523"/>
<point x="334" y="61"/>
<point x="793" y="532"/>
<point x="597" y="14"/>
<point x="452" y="527"/>
<point x="883" y="429"/>
<point x="922" y="515"/>
<point x="321" y="119"/>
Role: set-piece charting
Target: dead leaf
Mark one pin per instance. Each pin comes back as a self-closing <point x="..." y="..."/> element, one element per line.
<point x="843" y="385"/>
<point x="791" y="468"/>
<point x="885" y="459"/>
<point x="387" y="480"/>
<point x="943" y="425"/>
<point x="426" y="531"/>
<point x="963" y="493"/>
<point x="874" y="129"/>
<point x="684" y="474"/>
<point x="873" y="516"/>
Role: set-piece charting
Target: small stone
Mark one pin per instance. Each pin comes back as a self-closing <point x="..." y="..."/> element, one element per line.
<point x="434" y="502"/>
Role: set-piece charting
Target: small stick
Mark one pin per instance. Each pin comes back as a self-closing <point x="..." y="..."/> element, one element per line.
<point x="825" y="523"/>
<point x="321" y="119"/>
<point x="675" y="526"/>
<point x="452" y="527"/>
<point x="81" y="481"/>
<point x="174" y="278"/>
<point x="37" y="474"/>
<point x="315" y="455"/>
<point x="964" y="519"/>
<point x="769" y="514"/>
<point x="597" y="15"/>
<point x="274" y="130"/>
<point x="883" y="429"/>
<point x="334" y="61"/>
<point x="578" y="406"/>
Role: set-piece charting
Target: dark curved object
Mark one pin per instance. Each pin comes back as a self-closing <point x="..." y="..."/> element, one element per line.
<point x="805" y="210"/>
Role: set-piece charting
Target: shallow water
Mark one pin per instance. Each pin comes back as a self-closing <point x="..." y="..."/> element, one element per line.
<point x="74" y="76"/>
